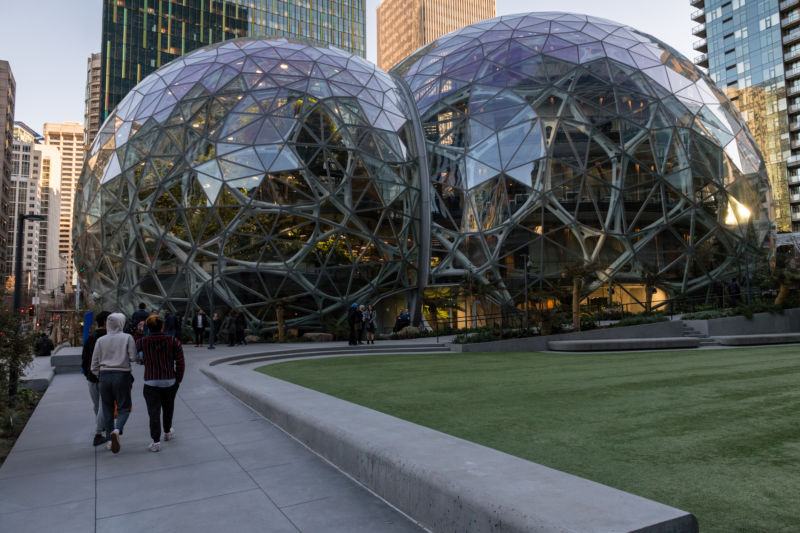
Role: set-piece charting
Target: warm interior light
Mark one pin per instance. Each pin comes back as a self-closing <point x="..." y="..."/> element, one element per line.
<point x="737" y="212"/>
<point x="284" y="66"/>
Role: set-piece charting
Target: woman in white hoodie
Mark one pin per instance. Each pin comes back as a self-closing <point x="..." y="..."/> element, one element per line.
<point x="111" y="363"/>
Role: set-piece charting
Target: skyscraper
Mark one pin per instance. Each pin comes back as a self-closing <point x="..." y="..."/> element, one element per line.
<point x="68" y="138"/>
<point x="141" y="35"/>
<point x="25" y="198"/>
<point x="7" y="93"/>
<point x="752" y="51"/>
<point x="91" y="115"/>
<point x="405" y="25"/>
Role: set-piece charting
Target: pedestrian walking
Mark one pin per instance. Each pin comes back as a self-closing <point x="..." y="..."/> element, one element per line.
<point x="170" y="323"/>
<point x="216" y="322"/>
<point x="140" y="315"/>
<point x="164" y="366"/>
<point x="92" y="380"/>
<point x="199" y="325"/>
<point x="111" y="362"/>
<point x="360" y="325"/>
<point x="354" y="321"/>
<point x="229" y="328"/>
<point x="369" y="324"/>
<point x="240" y="323"/>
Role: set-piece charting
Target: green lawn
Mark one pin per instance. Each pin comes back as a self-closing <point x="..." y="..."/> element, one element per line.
<point x="713" y="432"/>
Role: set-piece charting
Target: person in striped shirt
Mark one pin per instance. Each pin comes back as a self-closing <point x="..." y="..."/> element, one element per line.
<point x="162" y="356"/>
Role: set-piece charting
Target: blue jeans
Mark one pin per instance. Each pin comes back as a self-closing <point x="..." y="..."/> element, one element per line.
<point x="94" y="392"/>
<point x="115" y="387"/>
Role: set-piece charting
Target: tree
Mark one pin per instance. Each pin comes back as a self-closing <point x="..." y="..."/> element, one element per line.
<point x="16" y="352"/>
<point x="787" y="273"/>
<point x="579" y="273"/>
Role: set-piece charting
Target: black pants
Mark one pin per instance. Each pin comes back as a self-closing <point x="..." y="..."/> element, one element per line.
<point x="199" y="333"/>
<point x="160" y="400"/>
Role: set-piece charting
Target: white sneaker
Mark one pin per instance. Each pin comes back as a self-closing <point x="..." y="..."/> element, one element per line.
<point x="169" y="435"/>
<point x="154" y="447"/>
<point x="108" y="445"/>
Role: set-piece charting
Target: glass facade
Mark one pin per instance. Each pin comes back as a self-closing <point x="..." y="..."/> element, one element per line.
<point x="557" y="145"/>
<point x="289" y="169"/>
<point x="139" y="36"/>
<point x="582" y="145"/>
<point x="752" y="51"/>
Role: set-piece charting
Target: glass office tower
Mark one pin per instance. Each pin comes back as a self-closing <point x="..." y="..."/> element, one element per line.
<point x="751" y="49"/>
<point x="139" y="36"/>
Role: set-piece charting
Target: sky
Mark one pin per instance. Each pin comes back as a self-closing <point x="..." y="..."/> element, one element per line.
<point x="47" y="43"/>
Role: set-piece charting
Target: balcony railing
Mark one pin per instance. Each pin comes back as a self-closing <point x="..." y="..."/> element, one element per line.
<point x="703" y="58"/>
<point x="786" y="4"/>
<point x="791" y="54"/>
<point x="699" y="30"/>
<point x="701" y="45"/>
<point x="699" y="15"/>
<point x="791" y="19"/>
<point x="794" y="178"/>
<point x="793" y="89"/>
<point x="697" y="3"/>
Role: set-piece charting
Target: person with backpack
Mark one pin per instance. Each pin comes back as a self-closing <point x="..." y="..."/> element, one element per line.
<point x="111" y="362"/>
<point x="94" y="382"/>
<point x="164" y="367"/>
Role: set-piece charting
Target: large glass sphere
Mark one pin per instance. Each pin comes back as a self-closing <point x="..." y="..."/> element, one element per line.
<point x="588" y="148"/>
<point x="285" y="170"/>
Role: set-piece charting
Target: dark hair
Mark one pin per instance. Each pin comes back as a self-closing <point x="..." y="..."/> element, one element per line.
<point x="142" y="307"/>
<point x="101" y="318"/>
<point x="154" y="323"/>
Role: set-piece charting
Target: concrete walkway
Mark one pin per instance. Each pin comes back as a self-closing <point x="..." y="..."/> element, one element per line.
<point x="228" y="469"/>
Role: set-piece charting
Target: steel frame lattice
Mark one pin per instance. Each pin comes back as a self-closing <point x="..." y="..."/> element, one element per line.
<point x="586" y="146"/>
<point x="290" y="167"/>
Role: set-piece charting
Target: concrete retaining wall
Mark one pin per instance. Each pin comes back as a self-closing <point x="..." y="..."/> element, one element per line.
<point x="67" y="360"/>
<point x="646" y="343"/>
<point x="445" y="483"/>
<point x="761" y="323"/>
<point x="535" y="344"/>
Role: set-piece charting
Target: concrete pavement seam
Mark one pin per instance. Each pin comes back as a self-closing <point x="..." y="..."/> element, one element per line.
<point x="258" y="486"/>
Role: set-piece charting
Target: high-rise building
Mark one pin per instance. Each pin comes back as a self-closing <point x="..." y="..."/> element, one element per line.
<point x="25" y="197"/>
<point x="68" y="138"/>
<point x="405" y="25"/>
<point x="139" y="36"/>
<point x="752" y="51"/>
<point x="52" y="264"/>
<point x="7" y="93"/>
<point x="91" y="115"/>
<point x="36" y="189"/>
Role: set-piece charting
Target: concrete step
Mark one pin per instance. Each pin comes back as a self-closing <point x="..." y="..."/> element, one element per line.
<point x="257" y="358"/>
<point x="343" y="349"/>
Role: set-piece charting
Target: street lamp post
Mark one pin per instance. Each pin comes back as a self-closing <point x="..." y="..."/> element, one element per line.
<point x="211" y="310"/>
<point x="13" y="373"/>
<point x="525" y="274"/>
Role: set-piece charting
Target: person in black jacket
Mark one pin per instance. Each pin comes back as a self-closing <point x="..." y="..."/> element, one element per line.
<point x="94" y="383"/>
<point x="139" y="316"/>
<point x="44" y="346"/>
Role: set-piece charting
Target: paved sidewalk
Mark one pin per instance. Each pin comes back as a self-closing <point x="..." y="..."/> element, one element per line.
<point x="228" y="469"/>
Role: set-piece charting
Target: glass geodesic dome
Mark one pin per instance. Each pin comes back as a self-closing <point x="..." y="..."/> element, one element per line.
<point x="287" y="170"/>
<point x="588" y="147"/>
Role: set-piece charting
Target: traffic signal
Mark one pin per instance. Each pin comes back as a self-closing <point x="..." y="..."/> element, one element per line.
<point x="31" y="311"/>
